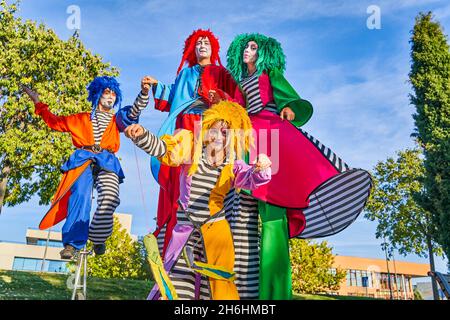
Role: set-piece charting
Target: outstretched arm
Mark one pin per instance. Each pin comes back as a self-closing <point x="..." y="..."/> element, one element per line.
<point x="142" y="99"/>
<point x="250" y="177"/>
<point x="129" y="115"/>
<point x="146" y="140"/>
<point x="171" y="150"/>
<point x="58" y="123"/>
<point x="162" y="95"/>
<point x="290" y="105"/>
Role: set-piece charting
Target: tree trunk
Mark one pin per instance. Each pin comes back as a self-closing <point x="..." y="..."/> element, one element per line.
<point x="3" y="181"/>
<point x="432" y="267"/>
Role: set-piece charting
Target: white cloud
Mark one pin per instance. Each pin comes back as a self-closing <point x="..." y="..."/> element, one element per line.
<point x="362" y="109"/>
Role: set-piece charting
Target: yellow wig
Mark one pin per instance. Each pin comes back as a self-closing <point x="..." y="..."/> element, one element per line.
<point x="239" y="134"/>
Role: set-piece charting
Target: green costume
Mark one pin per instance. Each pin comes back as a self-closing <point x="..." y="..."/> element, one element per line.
<point x="312" y="193"/>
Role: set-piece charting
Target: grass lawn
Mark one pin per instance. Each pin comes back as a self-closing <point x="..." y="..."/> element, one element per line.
<point x="328" y="297"/>
<point x="17" y="285"/>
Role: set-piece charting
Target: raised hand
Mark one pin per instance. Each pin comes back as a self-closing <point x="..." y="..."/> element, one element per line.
<point x="263" y="162"/>
<point x="32" y="94"/>
<point x="287" y="114"/>
<point x="146" y="83"/>
<point x="134" y="131"/>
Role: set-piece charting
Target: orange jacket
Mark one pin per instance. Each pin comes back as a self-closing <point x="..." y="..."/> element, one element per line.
<point x="80" y="127"/>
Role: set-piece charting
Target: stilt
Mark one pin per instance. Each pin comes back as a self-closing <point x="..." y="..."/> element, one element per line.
<point x="81" y="268"/>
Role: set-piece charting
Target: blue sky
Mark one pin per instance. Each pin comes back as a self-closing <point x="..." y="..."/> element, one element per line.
<point x="355" y="77"/>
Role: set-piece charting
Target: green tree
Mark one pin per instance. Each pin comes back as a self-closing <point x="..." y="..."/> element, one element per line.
<point x="430" y="79"/>
<point x="401" y="220"/>
<point x="124" y="258"/>
<point x="417" y="295"/>
<point x="312" y="267"/>
<point x="33" y="55"/>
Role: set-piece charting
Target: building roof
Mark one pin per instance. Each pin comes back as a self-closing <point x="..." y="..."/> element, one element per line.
<point x="380" y="265"/>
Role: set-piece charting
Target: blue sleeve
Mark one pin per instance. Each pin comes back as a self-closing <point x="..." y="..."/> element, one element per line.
<point x="123" y="120"/>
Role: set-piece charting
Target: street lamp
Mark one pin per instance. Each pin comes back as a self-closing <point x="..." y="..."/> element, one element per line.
<point x="45" y="251"/>
<point x="387" y="265"/>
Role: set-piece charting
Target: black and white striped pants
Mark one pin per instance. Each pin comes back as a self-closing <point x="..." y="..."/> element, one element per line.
<point x="244" y="226"/>
<point x="107" y="185"/>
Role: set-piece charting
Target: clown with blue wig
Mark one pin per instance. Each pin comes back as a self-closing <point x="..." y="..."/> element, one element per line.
<point x="96" y="135"/>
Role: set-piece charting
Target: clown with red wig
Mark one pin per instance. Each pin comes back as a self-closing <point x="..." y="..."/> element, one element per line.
<point x="198" y="85"/>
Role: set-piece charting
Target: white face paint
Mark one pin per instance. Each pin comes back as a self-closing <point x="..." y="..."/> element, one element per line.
<point x="107" y="99"/>
<point x="203" y="49"/>
<point x="251" y="52"/>
<point x="218" y="136"/>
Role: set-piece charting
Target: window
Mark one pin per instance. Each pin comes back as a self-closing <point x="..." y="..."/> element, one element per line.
<point x="400" y="283"/>
<point x="358" y="278"/>
<point x="407" y="284"/>
<point x="57" y="266"/>
<point x="18" y="264"/>
<point x="51" y="243"/>
<point x="355" y="278"/>
<point x="385" y="281"/>
<point x="370" y="283"/>
<point x="29" y="264"/>
<point x="352" y="278"/>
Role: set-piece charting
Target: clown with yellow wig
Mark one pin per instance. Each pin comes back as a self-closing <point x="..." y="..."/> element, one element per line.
<point x="200" y="257"/>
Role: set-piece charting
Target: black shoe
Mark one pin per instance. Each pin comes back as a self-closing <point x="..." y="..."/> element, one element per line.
<point x="68" y="252"/>
<point x="99" y="249"/>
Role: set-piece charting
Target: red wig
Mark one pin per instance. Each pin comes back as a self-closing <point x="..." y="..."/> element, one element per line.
<point x="189" y="55"/>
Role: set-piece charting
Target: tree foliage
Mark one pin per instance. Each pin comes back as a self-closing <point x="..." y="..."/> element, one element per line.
<point x="312" y="265"/>
<point x="393" y="204"/>
<point x="430" y="79"/>
<point x="30" y="153"/>
<point x="417" y="295"/>
<point x="124" y="258"/>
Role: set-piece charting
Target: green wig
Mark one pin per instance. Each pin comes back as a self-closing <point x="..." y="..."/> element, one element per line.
<point x="270" y="55"/>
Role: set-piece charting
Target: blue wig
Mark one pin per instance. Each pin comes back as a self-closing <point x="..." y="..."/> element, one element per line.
<point x="96" y="88"/>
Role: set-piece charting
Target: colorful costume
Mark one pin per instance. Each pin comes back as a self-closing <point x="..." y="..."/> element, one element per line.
<point x="96" y="137"/>
<point x="202" y="228"/>
<point x="185" y="100"/>
<point x="313" y="193"/>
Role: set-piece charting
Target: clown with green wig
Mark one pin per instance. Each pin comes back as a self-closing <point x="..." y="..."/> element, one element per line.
<point x="312" y="193"/>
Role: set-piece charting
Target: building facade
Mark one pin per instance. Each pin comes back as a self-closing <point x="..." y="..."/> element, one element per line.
<point x="378" y="278"/>
<point x="364" y="276"/>
<point x="40" y="252"/>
